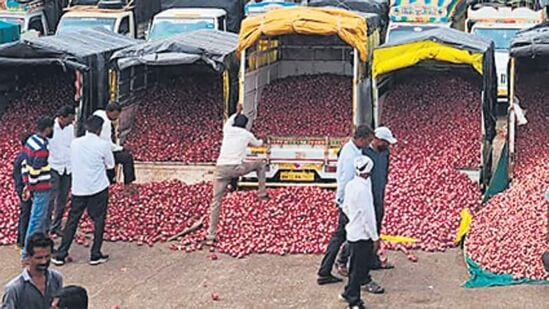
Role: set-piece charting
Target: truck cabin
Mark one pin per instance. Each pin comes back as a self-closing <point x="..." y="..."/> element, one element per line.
<point x="499" y="25"/>
<point x="254" y="9"/>
<point x="30" y="19"/>
<point x="400" y="30"/>
<point x="115" y="16"/>
<point x="176" y="21"/>
<point x="119" y="22"/>
<point x="406" y="18"/>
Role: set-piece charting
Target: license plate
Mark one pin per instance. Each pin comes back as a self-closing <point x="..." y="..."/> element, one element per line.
<point x="297" y="176"/>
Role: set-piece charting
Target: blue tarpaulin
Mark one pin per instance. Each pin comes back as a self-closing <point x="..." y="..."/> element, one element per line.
<point x="9" y="32"/>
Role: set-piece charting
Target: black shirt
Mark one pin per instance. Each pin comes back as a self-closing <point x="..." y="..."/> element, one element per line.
<point x="380" y="174"/>
<point x="17" y="177"/>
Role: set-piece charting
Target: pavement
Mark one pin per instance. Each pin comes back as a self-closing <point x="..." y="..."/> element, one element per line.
<point x="144" y="277"/>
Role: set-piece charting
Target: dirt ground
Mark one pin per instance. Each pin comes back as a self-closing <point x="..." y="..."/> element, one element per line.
<point x="142" y="277"/>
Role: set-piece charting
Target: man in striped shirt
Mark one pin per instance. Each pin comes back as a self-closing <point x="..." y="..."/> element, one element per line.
<point x="36" y="176"/>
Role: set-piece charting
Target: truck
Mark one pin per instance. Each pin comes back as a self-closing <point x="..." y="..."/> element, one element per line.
<point x="254" y="8"/>
<point x="175" y="21"/>
<point x="127" y="17"/>
<point x="407" y="17"/>
<point x="302" y="160"/>
<point x="180" y="16"/>
<point x="29" y="15"/>
<point x="499" y="23"/>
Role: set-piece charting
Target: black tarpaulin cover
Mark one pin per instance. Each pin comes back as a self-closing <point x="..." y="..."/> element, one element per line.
<point x="532" y="42"/>
<point x="234" y="9"/>
<point x="447" y="36"/>
<point x="209" y="46"/>
<point x="68" y="49"/>
<point x="379" y="7"/>
<point x="88" y="51"/>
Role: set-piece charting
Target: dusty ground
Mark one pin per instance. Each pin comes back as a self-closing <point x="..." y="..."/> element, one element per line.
<point x="142" y="277"/>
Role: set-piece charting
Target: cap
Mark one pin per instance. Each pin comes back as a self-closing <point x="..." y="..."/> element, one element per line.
<point x="385" y="134"/>
<point x="363" y="165"/>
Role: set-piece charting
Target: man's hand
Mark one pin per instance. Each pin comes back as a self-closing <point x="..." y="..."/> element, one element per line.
<point x="239" y="108"/>
<point x="376" y="245"/>
<point x="26" y="194"/>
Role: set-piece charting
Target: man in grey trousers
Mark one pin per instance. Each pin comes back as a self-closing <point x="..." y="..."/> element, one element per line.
<point x="231" y="164"/>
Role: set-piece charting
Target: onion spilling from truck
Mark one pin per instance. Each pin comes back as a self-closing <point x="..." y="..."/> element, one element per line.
<point x="510" y="233"/>
<point x="37" y="77"/>
<point x="275" y="50"/>
<point x="441" y="108"/>
<point x="175" y="99"/>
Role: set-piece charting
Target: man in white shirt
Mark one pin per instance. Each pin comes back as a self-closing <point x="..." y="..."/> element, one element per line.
<point x="362" y="136"/>
<point x="231" y="164"/>
<point x="91" y="156"/>
<point x="121" y="155"/>
<point x="60" y="162"/>
<point x="361" y="230"/>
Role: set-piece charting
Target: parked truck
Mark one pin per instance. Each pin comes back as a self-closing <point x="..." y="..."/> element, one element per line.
<point x="176" y="21"/>
<point x="180" y="16"/>
<point x="34" y="17"/>
<point x="303" y="160"/>
<point x="127" y="17"/>
<point x="408" y="16"/>
<point x="499" y="23"/>
<point x="254" y="8"/>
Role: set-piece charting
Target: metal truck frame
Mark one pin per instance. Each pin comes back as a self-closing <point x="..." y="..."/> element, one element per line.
<point x="297" y="160"/>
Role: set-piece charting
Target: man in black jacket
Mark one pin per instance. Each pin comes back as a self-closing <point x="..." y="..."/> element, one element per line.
<point x="24" y="205"/>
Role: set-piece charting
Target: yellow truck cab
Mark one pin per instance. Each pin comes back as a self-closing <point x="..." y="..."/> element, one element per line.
<point x="176" y="21"/>
<point x="499" y="25"/>
<point x="30" y="17"/>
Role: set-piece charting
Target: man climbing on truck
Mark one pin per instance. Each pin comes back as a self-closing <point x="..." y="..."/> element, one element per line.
<point x="231" y="164"/>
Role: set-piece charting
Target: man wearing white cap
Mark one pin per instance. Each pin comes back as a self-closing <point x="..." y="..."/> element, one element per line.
<point x="362" y="235"/>
<point x="378" y="151"/>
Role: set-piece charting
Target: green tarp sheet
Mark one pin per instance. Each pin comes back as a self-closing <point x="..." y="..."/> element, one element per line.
<point x="500" y="179"/>
<point x="482" y="278"/>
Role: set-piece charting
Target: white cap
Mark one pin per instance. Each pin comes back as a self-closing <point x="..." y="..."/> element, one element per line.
<point x="363" y="165"/>
<point x="385" y="134"/>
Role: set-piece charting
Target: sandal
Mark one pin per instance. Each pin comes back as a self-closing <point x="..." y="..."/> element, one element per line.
<point x="373" y="287"/>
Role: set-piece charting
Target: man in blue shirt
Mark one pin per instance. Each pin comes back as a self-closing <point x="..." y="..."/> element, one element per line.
<point x="362" y="136"/>
<point x="378" y="151"/>
<point x="36" y="286"/>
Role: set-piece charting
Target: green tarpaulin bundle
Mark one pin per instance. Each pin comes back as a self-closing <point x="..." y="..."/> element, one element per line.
<point x="482" y="278"/>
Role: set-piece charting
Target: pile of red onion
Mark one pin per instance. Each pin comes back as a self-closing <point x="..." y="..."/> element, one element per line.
<point x="436" y="119"/>
<point x="180" y="120"/>
<point x="294" y="220"/>
<point x="42" y="96"/>
<point x="510" y="233"/>
<point x="310" y="105"/>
